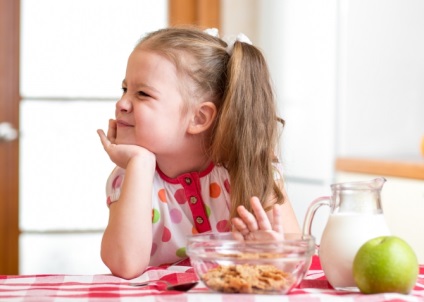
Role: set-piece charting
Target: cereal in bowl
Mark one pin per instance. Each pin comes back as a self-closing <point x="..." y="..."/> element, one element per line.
<point x="247" y="278"/>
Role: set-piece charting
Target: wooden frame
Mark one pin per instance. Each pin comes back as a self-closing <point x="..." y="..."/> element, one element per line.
<point x="203" y="13"/>
<point x="9" y="151"/>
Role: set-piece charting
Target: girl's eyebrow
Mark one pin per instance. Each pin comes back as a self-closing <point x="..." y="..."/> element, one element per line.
<point x="124" y="83"/>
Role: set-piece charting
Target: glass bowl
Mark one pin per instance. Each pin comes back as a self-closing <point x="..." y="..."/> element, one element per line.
<point x="227" y="265"/>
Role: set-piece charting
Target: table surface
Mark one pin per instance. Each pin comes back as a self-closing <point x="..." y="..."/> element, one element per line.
<point x="92" y="288"/>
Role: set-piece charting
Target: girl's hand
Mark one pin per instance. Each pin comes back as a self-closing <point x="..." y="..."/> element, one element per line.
<point x="121" y="154"/>
<point x="111" y="131"/>
<point x="258" y="225"/>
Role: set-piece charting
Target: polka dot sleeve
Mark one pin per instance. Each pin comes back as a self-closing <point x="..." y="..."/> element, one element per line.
<point x="114" y="184"/>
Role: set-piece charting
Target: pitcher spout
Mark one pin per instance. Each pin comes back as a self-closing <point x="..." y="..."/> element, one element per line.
<point x="378" y="183"/>
<point x="373" y="184"/>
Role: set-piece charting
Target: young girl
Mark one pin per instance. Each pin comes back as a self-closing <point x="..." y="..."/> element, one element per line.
<point x="194" y="139"/>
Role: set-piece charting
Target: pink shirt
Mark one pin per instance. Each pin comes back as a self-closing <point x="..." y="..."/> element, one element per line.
<point x="188" y="204"/>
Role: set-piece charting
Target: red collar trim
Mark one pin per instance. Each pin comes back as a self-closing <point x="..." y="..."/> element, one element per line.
<point x="176" y="181"/>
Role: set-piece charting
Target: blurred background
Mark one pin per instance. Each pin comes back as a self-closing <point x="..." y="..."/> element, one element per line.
<point x="348" y="76"/>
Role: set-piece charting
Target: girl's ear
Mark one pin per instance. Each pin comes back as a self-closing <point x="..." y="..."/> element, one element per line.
<point x="203" y="117"/>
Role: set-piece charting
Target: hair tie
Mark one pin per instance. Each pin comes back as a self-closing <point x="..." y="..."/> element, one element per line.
<point x="229" y="40"/>
<point x="212" y="32"/>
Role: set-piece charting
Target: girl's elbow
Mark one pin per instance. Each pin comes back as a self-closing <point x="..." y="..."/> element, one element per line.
<point x="127" y="272"/>
<point x="125" y="268"/>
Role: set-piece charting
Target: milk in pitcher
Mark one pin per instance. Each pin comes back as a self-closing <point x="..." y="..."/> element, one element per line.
<point x="342" y="237"/>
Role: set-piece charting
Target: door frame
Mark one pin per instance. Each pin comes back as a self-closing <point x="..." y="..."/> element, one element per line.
<point x="203" y="13"/>
<point x="9" y="151"/>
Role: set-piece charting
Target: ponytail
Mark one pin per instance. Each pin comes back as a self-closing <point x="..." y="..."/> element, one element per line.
<point x="246" y="133"/>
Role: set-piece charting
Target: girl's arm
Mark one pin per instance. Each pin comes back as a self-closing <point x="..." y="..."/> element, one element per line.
<point x="289" y="219"/>
<point x="127" y="239"/>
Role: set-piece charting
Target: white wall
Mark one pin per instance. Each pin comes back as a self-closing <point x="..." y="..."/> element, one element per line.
<point x="382" y="76"/>
<point x="240" y="16"/>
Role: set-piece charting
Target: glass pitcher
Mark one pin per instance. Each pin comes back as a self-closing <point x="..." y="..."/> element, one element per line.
<point x="356" y="216"/>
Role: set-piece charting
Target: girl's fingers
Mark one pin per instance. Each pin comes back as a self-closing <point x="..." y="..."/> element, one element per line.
<point x="238" y="236"/>
<point x="257" y="226"/>
<point x="105" y="141"/>
<point x="264" y="235"/>
<point x="111" y="132"/>
<point x="261" y="217"/>
<point x="240" y="226"/>
<point x="248" y="218"/>
<point x="277" y="223"/>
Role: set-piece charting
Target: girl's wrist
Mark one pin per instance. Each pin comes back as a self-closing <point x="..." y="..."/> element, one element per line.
<point x="145" y="160"/>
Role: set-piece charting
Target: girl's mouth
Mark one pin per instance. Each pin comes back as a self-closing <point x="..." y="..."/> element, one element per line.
<point x="121" y="123"/>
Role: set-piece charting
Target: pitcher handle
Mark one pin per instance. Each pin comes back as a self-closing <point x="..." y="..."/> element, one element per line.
<point x="310" y="213"/>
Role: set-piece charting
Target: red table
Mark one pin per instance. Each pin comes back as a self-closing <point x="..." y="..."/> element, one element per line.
<point x="93" y="288"/>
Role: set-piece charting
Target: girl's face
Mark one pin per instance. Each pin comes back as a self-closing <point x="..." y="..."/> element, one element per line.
<point x="149" y="111"/>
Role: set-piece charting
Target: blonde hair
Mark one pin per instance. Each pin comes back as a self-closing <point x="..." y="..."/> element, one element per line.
<point x="245" y="134"/>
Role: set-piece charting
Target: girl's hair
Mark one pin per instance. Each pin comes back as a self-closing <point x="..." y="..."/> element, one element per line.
<point x="245" y="134"/>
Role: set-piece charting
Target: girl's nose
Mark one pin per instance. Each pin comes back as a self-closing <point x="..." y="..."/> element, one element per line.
<point x="123" y="105"/>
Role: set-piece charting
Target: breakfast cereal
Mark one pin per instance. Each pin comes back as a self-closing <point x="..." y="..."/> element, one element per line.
<point x="247" y="278"/>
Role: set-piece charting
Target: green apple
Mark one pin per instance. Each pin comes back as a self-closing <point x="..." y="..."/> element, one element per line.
<point x="385" y="264"/>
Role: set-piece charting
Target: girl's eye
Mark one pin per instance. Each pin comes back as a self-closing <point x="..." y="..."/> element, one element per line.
<point x="142" y="93"/>
<point x="124" y="89"/>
